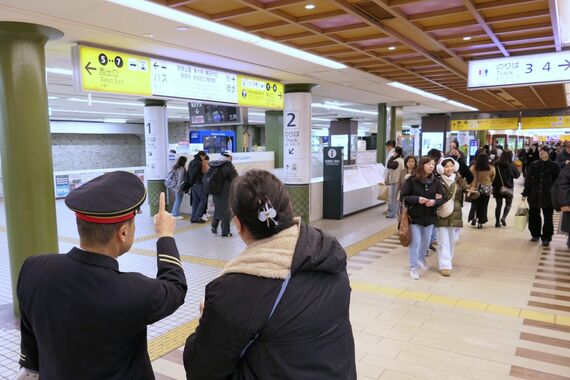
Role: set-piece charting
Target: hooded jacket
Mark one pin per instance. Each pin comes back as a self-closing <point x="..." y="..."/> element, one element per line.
<point x="308" y="337"/>
<point x="194" y="174"/>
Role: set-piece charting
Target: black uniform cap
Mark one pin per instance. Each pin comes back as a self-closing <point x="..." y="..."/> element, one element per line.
<point x="110" y="198"/>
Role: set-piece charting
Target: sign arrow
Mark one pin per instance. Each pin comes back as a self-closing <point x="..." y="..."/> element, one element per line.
<point x="291" y="150"/>
<point x="567" y="64"/>
<point x="89" y="68"/>
<point x="280" y="95"/>
<point x="156" y="65"/>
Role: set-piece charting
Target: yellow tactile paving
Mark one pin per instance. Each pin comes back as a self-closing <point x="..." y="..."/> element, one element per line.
<point x="362" y="245"/>
<point x="461" y="303"/>
<point x="162" y="345"/>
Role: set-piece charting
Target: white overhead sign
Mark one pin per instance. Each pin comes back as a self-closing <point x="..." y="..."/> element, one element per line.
<point x="520" y="70"/>
<point x="174" y="79"/>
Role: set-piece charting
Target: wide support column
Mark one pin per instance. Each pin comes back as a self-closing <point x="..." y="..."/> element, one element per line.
<point x="396" y="122"/>
<point x="25" y="144"/>
<point x="274" y="135"/>
<point x="381" y="134"/>
<point x="297" y="146"/>
<point x="156" y="146"/>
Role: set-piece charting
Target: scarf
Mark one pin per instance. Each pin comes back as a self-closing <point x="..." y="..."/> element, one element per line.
<point x="449" y="180"/>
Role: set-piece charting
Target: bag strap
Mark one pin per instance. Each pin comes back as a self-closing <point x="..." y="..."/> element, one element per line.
<point x="279" y="296"/>
<point x="501" y="177"/>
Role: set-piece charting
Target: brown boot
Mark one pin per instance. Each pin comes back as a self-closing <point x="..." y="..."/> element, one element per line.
<point x="445" y="272"/>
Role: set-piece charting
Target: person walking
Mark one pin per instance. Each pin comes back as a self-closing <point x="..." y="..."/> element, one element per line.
<point x="180" y="174"/>
<point x="395" y="168"/>
<point x="484" y="175"/>
<point x="563" y="158"/>
<point x="410" y="164"/>
<point x="450" y="218"/>
<point x="421" y="194"/>
<point x="539" y="179"/>
<point x="220" y="175"/>
<point x="194" y="180"/>
<point x="81" y="317"/>
<point x="280" y="309"/>
<point x="463" y="168"/>
<point x="563" y="183"/>
<point x="503" y="186"/>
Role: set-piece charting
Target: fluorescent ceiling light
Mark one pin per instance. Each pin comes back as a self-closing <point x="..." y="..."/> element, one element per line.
<point x="213" y="27"/>
<point x="404" y="87"/>
<point x="392" y="48"/>
<point x="74" y="119"/>
<point x="457" y="104"/>
<point x="310" y="6"/>
<point x="116" y="121"/>
<point x="320" y="119"/>
<point x="333" y="107"/>
<point x="55" y="70"/>
<point x="133" y="104"/>
<point x="97" y="112"/>
<point x="466" y="38"/>
<point x="52" y="98"/>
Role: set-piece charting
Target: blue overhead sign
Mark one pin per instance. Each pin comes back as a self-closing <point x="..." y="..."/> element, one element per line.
<point x="520" y="70"/>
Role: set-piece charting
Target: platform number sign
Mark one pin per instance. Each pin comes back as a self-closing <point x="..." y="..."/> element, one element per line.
<point x="520" y="70"/>
<point x="292" y="119"/>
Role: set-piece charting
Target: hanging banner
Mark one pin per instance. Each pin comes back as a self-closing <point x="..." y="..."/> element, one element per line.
<point x="545" y="119"/>
<point x="482" y="121"/>
<point x="258" y="92"/>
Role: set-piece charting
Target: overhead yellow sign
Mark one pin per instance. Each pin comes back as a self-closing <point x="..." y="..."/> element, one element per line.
<point x="258" y="92"/>
<point x="545" y="122"/>
<point x="114" y="72"/>
<point x="484" y="124"/>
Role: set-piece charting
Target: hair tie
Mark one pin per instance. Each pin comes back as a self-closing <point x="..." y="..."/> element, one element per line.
<point x="267" y="213"/>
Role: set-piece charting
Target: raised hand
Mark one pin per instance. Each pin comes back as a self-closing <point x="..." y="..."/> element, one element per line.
<point x="164" y="223"/>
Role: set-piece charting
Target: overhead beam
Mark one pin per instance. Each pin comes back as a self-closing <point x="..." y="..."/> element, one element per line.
<point x="344" y="28"/>
<point x="397" y="3"/>
<point x="267" y="25"/>
<point x="317" y="45"/>
<point x="179" y="3"/>
<point x="233" y="13"/>
<point x="518" y="16"/>
<point x="434" y="14"/>
<point x="538" y="96"/>
<point x="475" y="13"/>
<point x="555" y="24"/>
<point x="292" y="36"/>
<point x="320" y="16"/>
<point x="282" y="3"/>
<point x="504" y="3"/>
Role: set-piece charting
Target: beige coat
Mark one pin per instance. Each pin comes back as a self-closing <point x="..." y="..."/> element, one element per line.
<point x="484" y="178"/>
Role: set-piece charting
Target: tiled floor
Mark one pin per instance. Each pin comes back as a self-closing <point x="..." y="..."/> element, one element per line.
<point x="504" y="312"/>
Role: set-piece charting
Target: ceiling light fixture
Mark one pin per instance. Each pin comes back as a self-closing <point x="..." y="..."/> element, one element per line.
<point x="183" y="28"/>
<point x="426" y="94"/>
<point x="391" y="48"/>
<point x="457" y="104"/>
<point x="131" y="104"/>
<point x="320" y="119"/>
<point x="353" y="110"/>
<point x="52" y="98"/>
<point x="97" y="112"/>
<point x="467" y="38"/>
<point x="148" y="35"/>
<point x="310" y="6"/>
<point x="115" y="121"/>
<point x="213" y="27"/>
<point x="55" y="70"/>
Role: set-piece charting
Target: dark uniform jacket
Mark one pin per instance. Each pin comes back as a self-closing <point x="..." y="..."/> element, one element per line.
<point x="413" y="189"/>
<point x="82" y="318"/>
<point x="309" y="336"/>
<point x="540" y="177"/>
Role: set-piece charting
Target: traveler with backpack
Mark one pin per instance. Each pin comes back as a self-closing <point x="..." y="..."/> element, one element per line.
<point x="217" y="182"/>
<point x="174" y="181"/>
<point x="194" y="180"/>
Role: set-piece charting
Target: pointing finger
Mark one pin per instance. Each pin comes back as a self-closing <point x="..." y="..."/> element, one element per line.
<point x="161" y="203"/>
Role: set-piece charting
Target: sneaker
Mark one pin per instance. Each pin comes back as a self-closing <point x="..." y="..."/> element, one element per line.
<point x="199" y="221"/>
<point x="545" y="243"/>
<point x="228" y="235"/>
<point x="445" y="272"/>
<point x="414" y="274"/>
<point x="423" y="265"/>
<point x="535" y="238"/>
<point x="178" y="217"/>
<point x="390" y="216"/>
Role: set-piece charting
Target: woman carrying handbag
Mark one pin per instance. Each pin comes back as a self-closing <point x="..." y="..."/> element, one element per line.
<point x="450" y="218"/>
<point x="484" y="174"/>
<point x="503" y="186"/>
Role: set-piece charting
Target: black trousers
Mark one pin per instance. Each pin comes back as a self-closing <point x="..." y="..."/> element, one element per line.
<point x="482" y="204"/>
<point x="535" y="223"/>
<point x="498" y="209"/>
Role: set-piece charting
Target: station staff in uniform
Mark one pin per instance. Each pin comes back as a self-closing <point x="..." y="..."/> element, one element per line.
<point x="81" y="317"/>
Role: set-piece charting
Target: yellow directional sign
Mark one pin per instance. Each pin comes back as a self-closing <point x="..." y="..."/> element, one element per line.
<point x="544" y="122"/>
<point x="114" y="72"/>
<point x="484" y="124"/>
<point x="258" y="92"/>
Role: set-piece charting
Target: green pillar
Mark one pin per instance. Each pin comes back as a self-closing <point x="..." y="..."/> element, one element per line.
<point x="482" y="137"/>
<point x="25" y="144"/>
<point x="240" y="129"/>
<point x="274" y="135"/>
<point x="396" y="121"/>
<point x="381" y="135"/>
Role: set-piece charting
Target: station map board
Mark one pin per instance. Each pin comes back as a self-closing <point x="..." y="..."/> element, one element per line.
<point x="112" y="71"/>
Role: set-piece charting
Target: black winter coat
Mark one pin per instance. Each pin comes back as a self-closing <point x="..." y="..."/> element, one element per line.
<point x="564" y="196"/>
<point x="411" y="192"/>
<point x="222" y="199"/>
<point x="508" y="174"/>
<point x="194" y="174"/>
<point x="464" y="171"/>
<point x="540" y="177"/>
<point x="309" y="336"/>
<point x="562" y="158"/>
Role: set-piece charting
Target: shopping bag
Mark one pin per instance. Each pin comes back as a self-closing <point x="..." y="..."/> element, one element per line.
<point x="384" y="193"/>
<point x="521" y="216"/>
<point x="404" y="232"/>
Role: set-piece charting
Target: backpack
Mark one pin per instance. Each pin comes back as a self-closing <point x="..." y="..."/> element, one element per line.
<point x="171" y="181"/>
<point x="213" y="181"/>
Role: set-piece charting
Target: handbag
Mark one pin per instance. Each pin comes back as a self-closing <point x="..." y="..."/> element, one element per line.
<point x="384" y="193"/>
<point x="521" y="216"/>
<point x="446" y="209"/>
<point x="503" y="190"/>
<point x="404" y="232"/>
<point x="471" y="197"/>
<point x="483" y="189"/>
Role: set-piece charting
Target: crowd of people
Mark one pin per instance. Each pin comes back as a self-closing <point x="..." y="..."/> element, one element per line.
<point x="434" y="188"/>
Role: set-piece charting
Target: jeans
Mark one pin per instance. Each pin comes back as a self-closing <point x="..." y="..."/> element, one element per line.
<point x="419" y="243"/>
<point x="534" y="223"/>
<point x="447" y="237"/>
<point x="199" y="200"/>
<point x="498" y="209"/>
<point x="393" y="201"/>
<point x="177" y="201"/>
